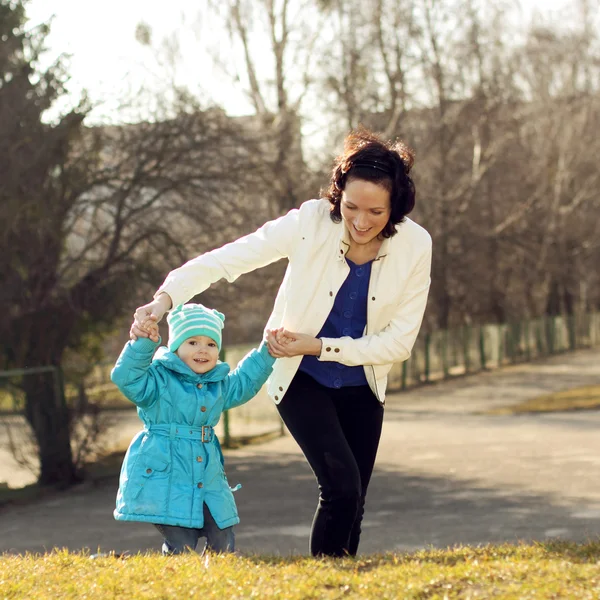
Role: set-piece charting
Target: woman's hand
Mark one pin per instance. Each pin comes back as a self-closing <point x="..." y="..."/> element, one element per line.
<point x="147" y="317"/>
<point x="285" y="344"/>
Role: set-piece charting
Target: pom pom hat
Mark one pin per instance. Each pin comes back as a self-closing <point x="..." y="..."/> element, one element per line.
<point x="188" y="320"/>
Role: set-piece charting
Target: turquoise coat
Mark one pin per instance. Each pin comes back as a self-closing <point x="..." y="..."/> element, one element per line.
<point x="169" y="471"/>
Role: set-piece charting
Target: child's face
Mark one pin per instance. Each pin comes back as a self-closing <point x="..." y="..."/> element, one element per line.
<point x="199" y="353"/>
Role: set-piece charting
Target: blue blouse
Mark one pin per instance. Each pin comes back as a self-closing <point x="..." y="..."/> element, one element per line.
<point x="348" y="317"/>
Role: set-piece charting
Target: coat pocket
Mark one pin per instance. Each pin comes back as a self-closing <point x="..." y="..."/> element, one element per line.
<point x="154" y="476"/>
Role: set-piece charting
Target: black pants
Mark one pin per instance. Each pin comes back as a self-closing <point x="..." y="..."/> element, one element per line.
<point x="338" y="430"/>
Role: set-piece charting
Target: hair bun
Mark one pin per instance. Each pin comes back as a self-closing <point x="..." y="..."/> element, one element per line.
<point x="407" y="156"/>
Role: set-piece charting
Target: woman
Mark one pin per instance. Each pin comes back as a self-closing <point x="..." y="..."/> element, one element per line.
<point x="351" y="304"/>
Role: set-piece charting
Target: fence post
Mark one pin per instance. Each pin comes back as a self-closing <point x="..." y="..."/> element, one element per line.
<point x="427" y="357"/>
<point x="455" y="351"/>
<point x="416" y="373"/>
<point x="527" y="347"/>
<point x="550" y="329"/>
<point x="572" y="329"/>
<point x="226" y="425"/>
<point x="466" y="338"/>
<point x="445" y="353"/>
<point x="539" y="337"/>
<point x="404" y="373"/>
<point x="513" y="339"/>
<point x="482" y="348"/>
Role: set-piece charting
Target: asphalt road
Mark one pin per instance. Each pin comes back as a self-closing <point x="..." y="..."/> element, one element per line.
<point x="445" y="475"/>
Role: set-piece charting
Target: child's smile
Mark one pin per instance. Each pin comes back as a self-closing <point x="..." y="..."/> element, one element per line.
<point x="199" y="352"/>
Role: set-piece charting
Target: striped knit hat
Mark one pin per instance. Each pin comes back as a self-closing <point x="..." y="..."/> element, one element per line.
<point x="188" y="320"/>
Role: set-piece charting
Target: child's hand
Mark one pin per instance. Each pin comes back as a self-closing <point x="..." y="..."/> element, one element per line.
<point x="150" y="326"/>
<point x="284" y="344"/>
<point x="281" y="336"/>
<point x="277" y="340"/>
<point x="154" y="311"/>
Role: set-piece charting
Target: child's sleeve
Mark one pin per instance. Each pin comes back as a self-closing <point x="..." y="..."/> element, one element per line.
<point x="132" y="373"/>
<point x="249" y="376"/>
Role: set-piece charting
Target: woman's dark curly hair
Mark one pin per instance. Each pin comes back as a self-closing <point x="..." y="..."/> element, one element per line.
<point x="387" y="164"/>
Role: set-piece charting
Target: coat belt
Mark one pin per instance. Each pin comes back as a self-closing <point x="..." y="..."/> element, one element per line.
<point x="177" y="430"/>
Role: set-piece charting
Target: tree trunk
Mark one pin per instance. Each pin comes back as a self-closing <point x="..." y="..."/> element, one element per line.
<point x="42" y="345"/>
<point x="48" y="416"/>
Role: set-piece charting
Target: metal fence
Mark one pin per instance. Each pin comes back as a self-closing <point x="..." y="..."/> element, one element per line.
<point x="468" y="349"/>
<point x="447" y="353"/>
<point x="437" y="355"/>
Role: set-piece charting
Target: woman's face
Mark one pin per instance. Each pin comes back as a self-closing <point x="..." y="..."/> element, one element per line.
<point x="366" y="209"/>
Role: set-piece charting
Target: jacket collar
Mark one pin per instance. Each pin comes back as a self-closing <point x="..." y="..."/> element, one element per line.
<point x="344" y="244"/>
<point x="169" y="360"/>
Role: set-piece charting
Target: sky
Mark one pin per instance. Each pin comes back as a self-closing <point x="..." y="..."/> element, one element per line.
<point x="108" y="62"/>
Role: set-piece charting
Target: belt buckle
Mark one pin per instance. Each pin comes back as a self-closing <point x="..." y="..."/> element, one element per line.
<point x="208" y="437"/>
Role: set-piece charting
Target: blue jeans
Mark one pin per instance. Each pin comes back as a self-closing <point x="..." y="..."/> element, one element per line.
<point x="185" y="539"/>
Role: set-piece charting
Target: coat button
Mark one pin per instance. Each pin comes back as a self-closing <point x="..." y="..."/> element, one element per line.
<point x="276" y="397"/>
<point x="331" y="293"/>
<point x="199" y="386"/>
<point x="328" y="349"/>
<point x="337" y="350"/>
<point x="198" y="459"/>
<point x="148" y="471"/>
<point x="280" y="389"/>
<point x="200" y="485"/>
<point x="203" y="409"/>
<point x="373" y="298"/>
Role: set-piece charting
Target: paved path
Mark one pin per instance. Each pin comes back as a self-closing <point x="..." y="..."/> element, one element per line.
<point x="445" y="475"/>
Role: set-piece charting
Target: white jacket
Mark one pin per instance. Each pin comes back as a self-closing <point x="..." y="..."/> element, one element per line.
<point x="315" y="247"/>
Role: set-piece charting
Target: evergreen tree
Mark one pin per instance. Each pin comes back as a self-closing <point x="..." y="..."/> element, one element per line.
<point x="36" y="195"/>
<point x="90" y="214"/>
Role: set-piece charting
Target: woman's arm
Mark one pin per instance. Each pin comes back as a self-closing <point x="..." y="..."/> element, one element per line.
<point x="273" y="241"/>
<point x="393" y="344"/>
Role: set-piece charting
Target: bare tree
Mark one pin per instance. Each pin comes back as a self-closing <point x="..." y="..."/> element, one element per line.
<point x="92" y="217"/>
<point x="561" y="114"/>
<point x="278" y="75"/>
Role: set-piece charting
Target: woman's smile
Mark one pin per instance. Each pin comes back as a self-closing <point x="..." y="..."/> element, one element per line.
<point x="361" y="231"/>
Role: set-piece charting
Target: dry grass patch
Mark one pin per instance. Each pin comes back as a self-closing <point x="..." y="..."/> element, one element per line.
<point x="550" y="570"/>
<point x="583" y="398"/>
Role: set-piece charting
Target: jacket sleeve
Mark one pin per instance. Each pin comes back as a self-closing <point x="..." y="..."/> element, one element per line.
<point x="273" y="241"/>
<point x="249" y="376"/>
<point x="394" y="343"/>
<point x="133" y="374"/>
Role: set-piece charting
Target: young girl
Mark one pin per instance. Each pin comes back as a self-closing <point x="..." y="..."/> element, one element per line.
<point x="172" y="475"/>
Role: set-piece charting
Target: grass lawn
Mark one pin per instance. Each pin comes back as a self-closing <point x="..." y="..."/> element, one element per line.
<point x="549" y="570"/>
<point x="574" y="399"/>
